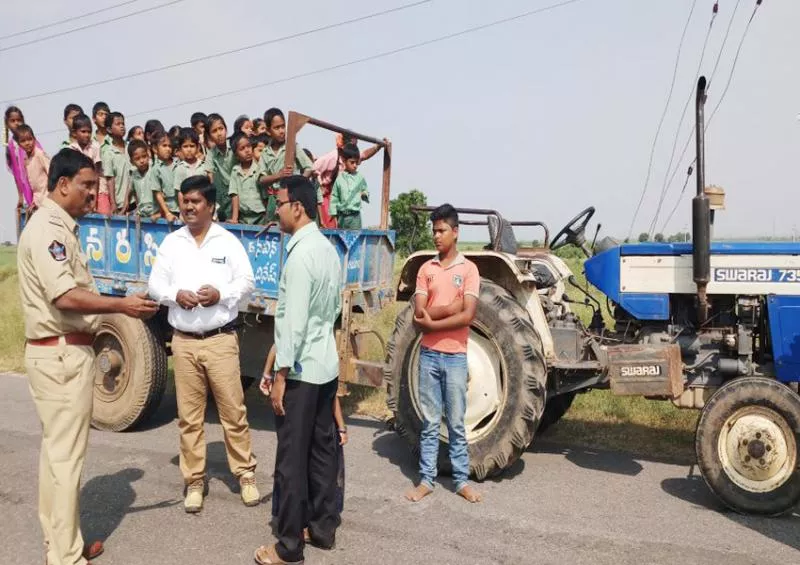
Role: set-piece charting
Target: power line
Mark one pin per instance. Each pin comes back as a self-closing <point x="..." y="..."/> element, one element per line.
<point x="88" y="26"/>
<point x="680" y="197"/>
<point x="222" y="53"/>
<point x="663" y="115"/>
<point x="354" y="61"/>
<point x="664" y="185"/>
<point x="724" y="42"/>
<point x="60" y="22"/>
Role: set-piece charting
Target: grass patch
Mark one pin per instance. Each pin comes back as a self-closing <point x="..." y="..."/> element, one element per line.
<point x="12" y="330"/>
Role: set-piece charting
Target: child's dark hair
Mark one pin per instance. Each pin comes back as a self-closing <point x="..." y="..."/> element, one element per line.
<point x="198" y="117"/>
<point x="134" y="145"/>
<point x="98" y="107"/>
<point x="188" y="134"/>
<point x="201" y="184"/>
<point x="69" y="108"/>
<point x="236" y="138"/>
<point x="23" y="128"/>
<point x="158" y="136"/>
<point x="301" y="190"/>
<point x="111" y="117"/>
<point x="81" y="121"/>
<point x="257" y="122"/>
<point x="14" y="110"/>
<point x="237" y="125"/>
<point x="129" y="137"/>
<point x="271" y="114"/>
<point x="151" y="127"/>
<point x="350" y="151"/>
<point x="309" y="154"/>
<point x="256" y="139"/>
<point x="214" y="118"/>
<point x="446" y="213"/>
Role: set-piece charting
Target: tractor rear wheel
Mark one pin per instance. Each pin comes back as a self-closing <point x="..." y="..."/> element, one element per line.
<point x="747" y="446"/>
<point x="506" y="383"/>
<point x="130" y="372"/>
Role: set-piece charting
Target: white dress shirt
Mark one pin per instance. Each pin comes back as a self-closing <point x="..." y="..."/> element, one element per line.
<point x="219" y="261"/>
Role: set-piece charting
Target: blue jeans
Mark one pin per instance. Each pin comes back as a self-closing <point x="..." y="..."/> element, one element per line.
<point x="443" y="386"/>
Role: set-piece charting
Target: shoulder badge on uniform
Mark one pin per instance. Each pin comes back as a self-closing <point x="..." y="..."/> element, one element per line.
<point x="458" y="280"/>
<point x="58" y="250"/>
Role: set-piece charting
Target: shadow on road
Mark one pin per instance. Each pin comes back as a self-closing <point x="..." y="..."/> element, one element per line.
<point x="694" y="490"/>
<point x="593" y="459"/>
<point x="107" y="499"/>
<point x="216" y="466"/>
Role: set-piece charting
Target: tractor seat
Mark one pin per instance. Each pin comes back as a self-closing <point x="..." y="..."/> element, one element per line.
<point x="508" y="241"/>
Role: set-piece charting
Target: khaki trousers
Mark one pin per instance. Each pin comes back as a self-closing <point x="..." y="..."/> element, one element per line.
<point x="61" y="381"/>
<point x="200" y="365"/>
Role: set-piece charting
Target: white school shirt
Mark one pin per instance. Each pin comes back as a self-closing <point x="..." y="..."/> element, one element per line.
<point x="220" y="261"/>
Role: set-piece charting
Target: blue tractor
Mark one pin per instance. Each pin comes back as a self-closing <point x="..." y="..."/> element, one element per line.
<point x="710" y="326"/>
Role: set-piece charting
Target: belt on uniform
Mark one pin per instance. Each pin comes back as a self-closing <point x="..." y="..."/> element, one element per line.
<point x="74" y="338"/>
<point x="349" y="213"/>
<point x="227" y="328"/>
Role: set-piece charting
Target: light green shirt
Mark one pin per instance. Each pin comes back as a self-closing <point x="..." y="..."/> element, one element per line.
<point x="220" y="165"/>
<point x="271" y="162"/>
<point x="116" y="164"/>
<point x="163" y="176"/>
<point x="143" y="187"/>
<point x="347" y="193"/>
<point x="309" y="302"/>
<point x="184" y="170"/>
<point x="244" y="184"/>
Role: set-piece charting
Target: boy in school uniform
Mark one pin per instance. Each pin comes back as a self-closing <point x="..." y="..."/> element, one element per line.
<point x="271" y="167"/>
<point x="70" y="111"/>
<point x="191" y="163"/>
<point x="349" y="190"/>
<point x="116" y="166"/>
<point x="83" y="142"/>
<point x="246" y="204"/>
<point x="100" y="112"/>
<point x="141" y="181"/>
<point x="163" y="177"/>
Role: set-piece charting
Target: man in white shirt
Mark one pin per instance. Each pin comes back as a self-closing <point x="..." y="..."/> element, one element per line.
<point x="202" y="273"/>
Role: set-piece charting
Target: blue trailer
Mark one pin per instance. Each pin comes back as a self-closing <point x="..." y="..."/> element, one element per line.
<point x="131" y="368"/>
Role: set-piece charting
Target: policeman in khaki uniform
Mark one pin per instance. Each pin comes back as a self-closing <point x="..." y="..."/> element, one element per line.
<point x="61" y="307"/>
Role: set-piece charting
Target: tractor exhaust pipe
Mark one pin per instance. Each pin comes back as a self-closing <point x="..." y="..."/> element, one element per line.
<point x="701" y="211"/>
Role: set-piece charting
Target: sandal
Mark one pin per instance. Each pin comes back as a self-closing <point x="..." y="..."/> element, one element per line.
<point x="268" y="555"/>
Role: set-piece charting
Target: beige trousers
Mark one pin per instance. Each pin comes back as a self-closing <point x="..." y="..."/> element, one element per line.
<point x="61" y="381"/>
<point x="200" y="365"/>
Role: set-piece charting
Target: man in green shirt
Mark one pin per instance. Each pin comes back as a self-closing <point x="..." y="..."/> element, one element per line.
<point x="306" y="369"/>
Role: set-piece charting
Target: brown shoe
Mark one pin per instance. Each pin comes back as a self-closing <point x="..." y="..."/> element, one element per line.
<point x="93" y="549"/>
<point x="268" y="555"/>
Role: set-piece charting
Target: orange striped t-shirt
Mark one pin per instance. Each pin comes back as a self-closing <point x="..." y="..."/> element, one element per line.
<point x="442" y="286"/>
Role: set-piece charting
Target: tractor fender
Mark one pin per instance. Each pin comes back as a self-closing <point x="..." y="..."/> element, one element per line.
<point x="501" y="269"/>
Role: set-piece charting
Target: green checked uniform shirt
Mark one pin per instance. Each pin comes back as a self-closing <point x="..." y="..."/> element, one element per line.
<point x="346" y="195"/>
<point x="116" y="164"/>
<point x="220" y="165"/>
<point x="309" y="302"/>
<point x="143" y="187"/>
<point x="245" y="185"/>
<point x="163" y="176"/>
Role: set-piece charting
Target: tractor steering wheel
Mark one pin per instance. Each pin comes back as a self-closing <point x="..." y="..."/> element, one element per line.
<point x="574" y="232"/>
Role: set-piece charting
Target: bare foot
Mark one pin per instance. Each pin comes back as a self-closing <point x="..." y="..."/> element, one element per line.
<point x="418" y="493"/>
<point x="470" y="494"/>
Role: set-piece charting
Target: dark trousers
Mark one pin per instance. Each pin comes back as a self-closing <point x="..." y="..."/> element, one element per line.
<point x="306" y="468"/>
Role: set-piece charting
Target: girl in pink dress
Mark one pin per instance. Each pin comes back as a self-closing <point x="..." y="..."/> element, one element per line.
<point x="15" y="156"/>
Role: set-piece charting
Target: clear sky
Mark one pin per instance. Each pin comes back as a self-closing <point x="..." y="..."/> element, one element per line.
<point x="538" y="118"/>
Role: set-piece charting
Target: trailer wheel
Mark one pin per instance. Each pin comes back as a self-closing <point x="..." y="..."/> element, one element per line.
<point x="747" y="443"/>
<point x="130" y="373"/>
<point x="507" y="377"/>
<point x="555" y="409"/>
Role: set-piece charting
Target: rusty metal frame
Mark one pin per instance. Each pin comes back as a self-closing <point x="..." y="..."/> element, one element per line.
<point x="296" y="123"/>
<point x="487" y="212"/>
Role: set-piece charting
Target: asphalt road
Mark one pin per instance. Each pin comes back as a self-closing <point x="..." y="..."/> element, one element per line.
<point x="557" y="505"/>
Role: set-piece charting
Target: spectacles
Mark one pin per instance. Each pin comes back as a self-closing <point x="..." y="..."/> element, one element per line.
<point x="282" y="202"/>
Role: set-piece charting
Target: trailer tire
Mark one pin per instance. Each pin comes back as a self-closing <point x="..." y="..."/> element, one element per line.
<point x="130" y="372"/>
<point x="747" y="446"/>
<point x="555" y="409"/>
<point x="500" y="323"/>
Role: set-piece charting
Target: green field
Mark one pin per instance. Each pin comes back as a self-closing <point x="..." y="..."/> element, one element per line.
<point x="597" y="418"/>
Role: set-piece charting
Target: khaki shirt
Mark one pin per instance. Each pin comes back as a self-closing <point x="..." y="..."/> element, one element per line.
<point x="50" y="262"/>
